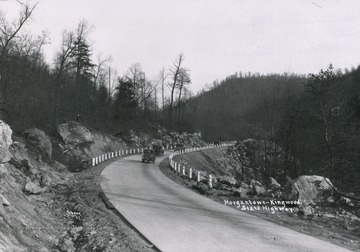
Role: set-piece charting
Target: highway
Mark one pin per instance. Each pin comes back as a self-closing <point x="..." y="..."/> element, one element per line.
<point x="174" y="218"/>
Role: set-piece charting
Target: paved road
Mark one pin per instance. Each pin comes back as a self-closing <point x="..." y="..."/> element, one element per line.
<point x="174" y="218"/>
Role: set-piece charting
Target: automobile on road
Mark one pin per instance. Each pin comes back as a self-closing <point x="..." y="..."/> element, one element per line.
<point x="148" y="156"/>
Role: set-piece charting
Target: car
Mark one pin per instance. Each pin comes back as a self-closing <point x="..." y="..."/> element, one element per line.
<point x="159" y="150"/>
<point x="148" y="156"/>
<point x="179" y="147"/>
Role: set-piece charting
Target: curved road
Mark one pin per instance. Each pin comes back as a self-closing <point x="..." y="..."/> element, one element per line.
<point x="174" y="218"/>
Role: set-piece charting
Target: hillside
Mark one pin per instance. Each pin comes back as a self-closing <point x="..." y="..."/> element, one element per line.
<point x="50" y="198"/>
<point x="314" y="119"/>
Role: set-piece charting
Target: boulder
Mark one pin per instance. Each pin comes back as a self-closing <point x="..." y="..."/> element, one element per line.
<point x="345" y="201"/>
<point x="307" y="211"/>
<point x="5" y="142"/>
<point x="74" y="133"/>
<point x="46" y="180"/>
<point x="244" y="190"/>
<point x="321" y="183"/>
<point x="257" y="187"/>
<point x="330" y="199"/>
<point x="255" y="182"/>
<point x="259" y="190"/>
<point x="306" y="188"/>
<point x="227" y="180"/>
<point x="32" y="188"/>
<point x="37" y="140"/>
<point x="59" y="167"/>
<point x="274" y="184"/>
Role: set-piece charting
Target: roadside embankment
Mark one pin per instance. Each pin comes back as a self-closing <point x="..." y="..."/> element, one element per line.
<point x="50" y="195"/>
<point x="235" y="182"/>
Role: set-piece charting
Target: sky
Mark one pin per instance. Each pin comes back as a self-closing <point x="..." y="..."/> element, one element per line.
<point x="217" y="37"/>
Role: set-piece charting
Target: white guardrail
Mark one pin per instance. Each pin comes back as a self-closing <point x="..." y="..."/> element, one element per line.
<point x="115" y="154"/>
<point x="181" y="169"/>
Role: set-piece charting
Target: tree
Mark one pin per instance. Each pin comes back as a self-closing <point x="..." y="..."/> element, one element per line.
<point x="62" y="64"/>
<point x="162" y="78"/>
<point x="125" y="101"/>
<point x="9" y="37"/>
<point x="184" y="80"/>
<point x="82" y="62"/>
<point x="322" y="87"/>
<point x="175" y="78"/>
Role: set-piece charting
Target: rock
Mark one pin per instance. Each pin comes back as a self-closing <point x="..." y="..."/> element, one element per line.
<point x="59" y="167"/>
<point x="274" y="184"/>
<point x="321" y="183"/>
<point x="346" y="201"/>
<point x="4" y="201"/>
<point x="46" y="180"/>
<point x="74" y="133"/>
<point x="32" y="188"/>
<point x="38" y="141"/>
<point x="330" y="199"/>
<point x="259" y="190"/>
<point x="306" y="188"/>
<point x="68" y="246"/>
<point x="227" y="180"/>
<point x="243" y="191"/>
<point x="307" y="211"/>
<point x="5" y="142"/>
<point x="255" y="182"/>
<point x="257" y="187"/>
<point x="75" y="232"/>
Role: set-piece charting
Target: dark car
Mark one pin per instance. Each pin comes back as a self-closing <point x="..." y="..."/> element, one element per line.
<point x="179" y="147"/>
<point x="159" y="150"/>
<point x="148" y="156"/>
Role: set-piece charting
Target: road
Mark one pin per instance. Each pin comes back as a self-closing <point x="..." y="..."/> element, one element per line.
<point x="174" y="218"/>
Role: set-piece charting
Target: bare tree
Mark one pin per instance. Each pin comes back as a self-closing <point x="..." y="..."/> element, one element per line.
<point x="61" y="64"/>
<point x="175" y="77"/>
<point x="142" y="87"/>
<point x="8" y="34"/>
<point x="184" y="80"/>
<point x="161" y="79"/>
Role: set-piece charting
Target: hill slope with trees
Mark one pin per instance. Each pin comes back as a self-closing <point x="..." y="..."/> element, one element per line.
<point x="313" y="120"/>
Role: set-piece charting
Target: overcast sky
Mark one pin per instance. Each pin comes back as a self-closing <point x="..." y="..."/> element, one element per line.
<point x="217" y="37"/>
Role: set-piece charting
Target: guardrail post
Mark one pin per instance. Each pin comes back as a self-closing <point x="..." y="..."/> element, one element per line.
<point x="179" y="169"/>
<point x="190" y="173"/>
<point x="210" y="181"/>
<point x="93" y="161"/>
<point x="198" y="177"/>
<point x="183" y="171"/>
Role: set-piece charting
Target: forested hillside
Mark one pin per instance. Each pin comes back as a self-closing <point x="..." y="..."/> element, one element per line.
<point x="312" y="120"/>
<point x="78" y="85"/>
